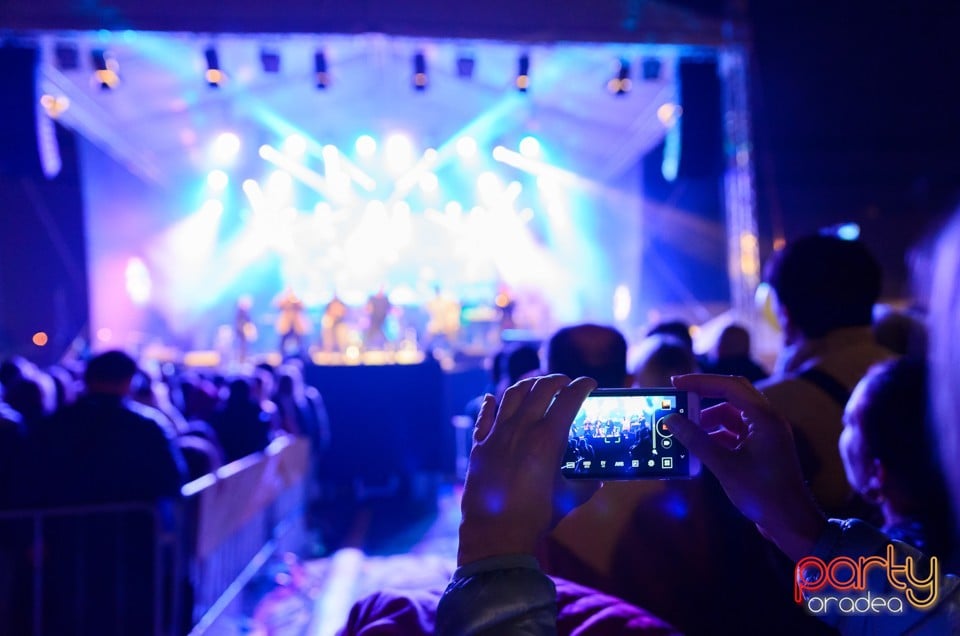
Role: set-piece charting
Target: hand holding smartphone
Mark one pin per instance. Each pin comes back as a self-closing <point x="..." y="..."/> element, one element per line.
<point x="619" y="434"/>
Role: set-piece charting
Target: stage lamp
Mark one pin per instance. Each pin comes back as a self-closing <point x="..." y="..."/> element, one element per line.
<point x="295" y="146"/>
<point x="217" y="180"/>
<point x="105" y="69"/>
<point x="419" y="71"/>
<point x="530" y="147"/>
<point x="226" y="147"/>
<point x="651" y="68"/>
<point x="466" y="147"/>
<point x="67" y="56"/>
<point x="465" y="65"/>
<point x="214" y="75"/>
<point x="523" y="73"/>
<point x="621" y="84"/>
<point x="321" y="74"/>
<point x="366" y="146"/>
<point x="270" y="61"/>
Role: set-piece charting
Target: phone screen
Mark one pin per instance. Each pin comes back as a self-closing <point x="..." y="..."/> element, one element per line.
<point x="619" y="434"/>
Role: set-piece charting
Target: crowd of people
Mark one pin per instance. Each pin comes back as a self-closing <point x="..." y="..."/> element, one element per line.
<point x="109" y="430"/>
<point x="840" y="430"/>
<point x="838" y="434"/>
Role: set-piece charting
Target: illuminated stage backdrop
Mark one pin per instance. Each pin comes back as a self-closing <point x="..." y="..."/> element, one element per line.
<point x="197" y="195"/>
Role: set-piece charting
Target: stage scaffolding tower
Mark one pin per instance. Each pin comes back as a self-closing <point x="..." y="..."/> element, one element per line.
<point x="743" y="247"/>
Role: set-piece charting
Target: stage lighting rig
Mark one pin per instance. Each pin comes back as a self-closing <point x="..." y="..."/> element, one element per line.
<point x="651" y="68"/>
<point x="465" y="65"/>
<point x="270" y="61"/>
<point x="214" y="74"/>
<point x="523" y="73"/>
<point x="67" y="56"/>
<point x="321" y="74"/>
<point x="621" y="84"/>
<point x="106" y="69"/>
<point x="419" y="71"/>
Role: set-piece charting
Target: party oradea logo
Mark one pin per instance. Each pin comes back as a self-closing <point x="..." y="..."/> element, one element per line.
<point x="866" y="585"/>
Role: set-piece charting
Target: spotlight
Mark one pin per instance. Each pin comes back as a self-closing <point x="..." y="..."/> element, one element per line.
<point x="465" y="64"/>
<point x="366" y="146"/>
<point x="466" y="147"/>
<point x="530" y="147"/>
<point x="321" y="74"/>
<point x="270" y="61"/>
<point x="295" y="146"/>
<point x="651" y="68"/>
<point x="429" y="182"/>
<point x="105" y="69"/>
<point x="419" y="71"/>
<point x="217" y="180"/>
<point x="523" y="73"/>
<point x="621" y="84"/>
<point x="67" y="56"/>
<point x="225" y="147"/>
<point x="214" y="75"/>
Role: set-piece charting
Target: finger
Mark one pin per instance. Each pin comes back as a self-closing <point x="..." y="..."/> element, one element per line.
<point x="568" y="401"/>
<point x="514" y="397"/>
<point x="535" y="405"/>
<point x="698" y="442"/>
<point x="726" y="439"/>
<point x="734" y="389"/>
<point x="488" y="411"/>
<point x="723" y="416"/>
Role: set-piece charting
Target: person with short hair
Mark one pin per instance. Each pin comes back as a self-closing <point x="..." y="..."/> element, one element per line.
<point x="824" y="290"/>
<point x="592" y="351"/>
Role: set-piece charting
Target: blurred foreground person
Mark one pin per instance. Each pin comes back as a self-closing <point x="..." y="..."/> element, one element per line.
<point x="745" y="442"/>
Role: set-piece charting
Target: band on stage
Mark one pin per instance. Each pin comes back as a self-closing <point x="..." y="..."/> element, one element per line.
<point x="440" y="323"/>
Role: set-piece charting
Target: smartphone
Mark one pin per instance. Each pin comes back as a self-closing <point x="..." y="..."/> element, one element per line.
<point x="619" y="434"/>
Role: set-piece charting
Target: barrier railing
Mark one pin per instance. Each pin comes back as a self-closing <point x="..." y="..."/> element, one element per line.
<point x="105" y="569"/>
<point x="164" y="569"/>
<point x="241" y="515"/>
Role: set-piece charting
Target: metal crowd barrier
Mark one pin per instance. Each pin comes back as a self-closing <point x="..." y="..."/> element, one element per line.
<point x="165" y="569"/>
<point x="104" y="569"/>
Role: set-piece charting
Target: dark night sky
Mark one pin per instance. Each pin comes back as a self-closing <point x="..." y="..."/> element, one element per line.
<point x="856" y="107"/>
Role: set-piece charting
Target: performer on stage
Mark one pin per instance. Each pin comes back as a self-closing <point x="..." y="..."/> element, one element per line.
<point x="292" y="324"/>
<point x="506" y="305"/>
<point x="378" y="308"/>
<point x="334" y="325"/>
<point x="443" y="327"/>
<point x="244" y="329"/>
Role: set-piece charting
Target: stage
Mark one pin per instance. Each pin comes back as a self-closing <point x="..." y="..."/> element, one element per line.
<point x="598" y="180"/>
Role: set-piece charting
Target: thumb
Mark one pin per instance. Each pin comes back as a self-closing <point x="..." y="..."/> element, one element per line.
<point x="488" y="411"/>
<point x="697" y="441"/>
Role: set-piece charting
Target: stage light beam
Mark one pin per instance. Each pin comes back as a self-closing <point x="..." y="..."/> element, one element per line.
<point x="226" y="147"/>
<point x="366" y="146"/>
<point x="217" y="180"/>
<point x="295" y="146"/>
<point x="466" y="147"/>
<point x="429" y="182"/>
<point x="399" y="152"/>
<point x="530" y="147"/>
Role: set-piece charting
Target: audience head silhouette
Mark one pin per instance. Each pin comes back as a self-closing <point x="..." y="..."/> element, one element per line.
<point x="823" y="283"/>
<point x="675" y="329"/>
<point x="890" y="455"/>
<point x="110" y="373"/>
<point x="658" y="358"/>
<point x="589" y="350"/>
